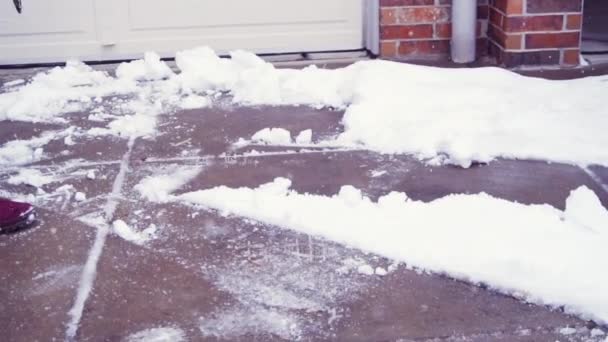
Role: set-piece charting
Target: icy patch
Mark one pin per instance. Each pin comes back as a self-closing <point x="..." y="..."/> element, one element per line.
<point x="31" y="177"/>
<point x="235" y="323"/>
<point x="164" y="334"/>
<point x="120" y="228"/>
<point x="526" y="249"/>
<point x="158" y="188"/>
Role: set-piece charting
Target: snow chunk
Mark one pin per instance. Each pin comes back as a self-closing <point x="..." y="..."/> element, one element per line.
<point x="165" y="334"/>
<point x="194" y="101"/>
<point x="584" y="208"/>
<point x="304" y="137"/>
<point x="526" y="249"/>
<point x="31" y="177"/>
<point x="272" y="136"/>
<point x="80" y="196"/>
<point x="567" y="331"/>
<point x="148" y="69"/>
<point x="365" y="269"/>
<point x="123" y="230"/>
<point x="158" y="188"/>
<point x="137" y="125"/>
<point x="91" y="174"/>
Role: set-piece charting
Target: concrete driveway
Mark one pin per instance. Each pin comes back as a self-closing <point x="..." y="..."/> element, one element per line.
<point x="210" y="277"/>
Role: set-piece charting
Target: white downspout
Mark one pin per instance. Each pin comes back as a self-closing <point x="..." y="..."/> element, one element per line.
<point x="464" y="27"/>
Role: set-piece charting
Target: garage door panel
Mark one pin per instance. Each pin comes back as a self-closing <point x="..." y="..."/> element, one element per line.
<point x="53" y="31"/>
<point x="47" y="17"/>
<point x="145" y="14"/>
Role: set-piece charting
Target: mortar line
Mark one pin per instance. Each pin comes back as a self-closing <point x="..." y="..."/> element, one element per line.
<point x="85" y="285"/>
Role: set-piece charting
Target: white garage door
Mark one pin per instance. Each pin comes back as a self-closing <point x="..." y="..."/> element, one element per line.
<point x="54" y="30"/>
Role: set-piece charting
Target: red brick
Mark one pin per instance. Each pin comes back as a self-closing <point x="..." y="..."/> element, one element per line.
<point x="388" y="16"/>
<point x="388" y="49"/>
<point x="420" y="15"/>
<point x="510" y="7"/>
<point x="571" y="57"/>
<point x="406" y="32"/>
<point x="443" y="30"/>
<point x="483" y="11"/>
<point x="554" y="6"/>
<point x="574" y="22"/>
<point x="552" y="40"/>
<point x="424" y="47"/>
<point x="496" y="18"/>
<point x="506" y="41"/>
<point x="533" y="23"/>
<point x="394" y="3"/>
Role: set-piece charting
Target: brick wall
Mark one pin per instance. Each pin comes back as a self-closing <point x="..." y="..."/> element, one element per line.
<point x="413" y="28"/>
<point x="535" y="32"/>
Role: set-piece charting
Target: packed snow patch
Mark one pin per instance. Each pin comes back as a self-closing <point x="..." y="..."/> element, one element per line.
<point x="120" y="228"/>
<point x="523" y="250"/>
<point x="165" y="334"/>
<point x="31" y="177"/>
<point x="158" y="187"/>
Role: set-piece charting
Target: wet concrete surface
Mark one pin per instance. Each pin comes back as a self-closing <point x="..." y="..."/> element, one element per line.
<point x="226" y="278"/>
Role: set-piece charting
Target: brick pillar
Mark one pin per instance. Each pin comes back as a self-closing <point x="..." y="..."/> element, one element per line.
<point x="420" y="28"/>
<point x="535" y="32"/>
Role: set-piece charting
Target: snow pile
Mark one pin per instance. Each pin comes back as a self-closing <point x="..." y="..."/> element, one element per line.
<point x="148" y="69"/>
<point x="165" y="334"/>
<point x="58" y="91"/>
<point x="464" y="115"/>
<point x="535" y="252"/>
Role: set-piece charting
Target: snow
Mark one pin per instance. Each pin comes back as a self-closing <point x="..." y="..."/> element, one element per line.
<point x="597" y="332"/>
<point x="91" y="174"/>
<point x="31" y="177"/>
<point x="80" y="196"/>
<point x="120" y="228"/>
<point x="148" y="69"/>
<point x="484" y="113"/>
<point x="157" y="188"/>
<point x="567" y="331"/>
<point x="523" y="250"/>
<point x="194" y="101"/>
<point x="272" y="136"/>
<point x="20" y="152"/>
<point x="304" y="137"/>
<point x="163" y="334"/>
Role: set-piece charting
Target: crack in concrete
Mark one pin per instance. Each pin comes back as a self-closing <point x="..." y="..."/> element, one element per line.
<point x="85" y="285"/>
